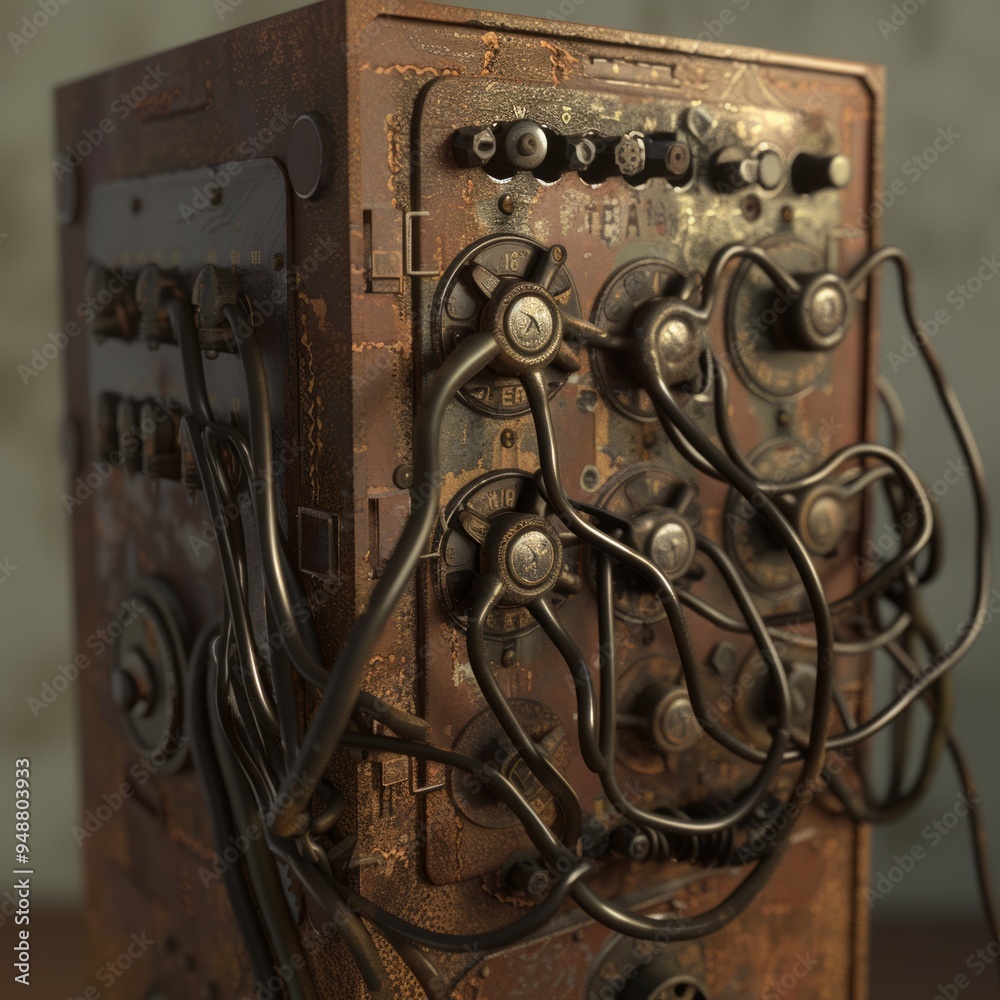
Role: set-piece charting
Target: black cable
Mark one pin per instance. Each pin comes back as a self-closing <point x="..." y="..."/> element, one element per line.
<point x="426" y="973"/>
<point x="543" y="613"/>
<point x="252" y="719"/>
<point x="217" y="800"/>
<point x="537" y="394"/>
<point x="261" y="870"/>
<point x="485" y="596"/>
<point x="341" y="691"/>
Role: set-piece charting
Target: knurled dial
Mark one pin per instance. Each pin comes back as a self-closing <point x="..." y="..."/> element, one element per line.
<point x="499" y="524"/>
<point x="521" y="288"/>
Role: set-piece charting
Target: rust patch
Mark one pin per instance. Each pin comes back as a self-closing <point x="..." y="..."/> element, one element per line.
<point x="314" y="408"/>
<point x="403" y="70"/>
<point x="395" y="134"/>
<point x="562" y="61"/>
<point x="492" y="42"/>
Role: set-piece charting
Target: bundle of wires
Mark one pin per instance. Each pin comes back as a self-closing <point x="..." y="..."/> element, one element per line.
<point x="258" y="765"/>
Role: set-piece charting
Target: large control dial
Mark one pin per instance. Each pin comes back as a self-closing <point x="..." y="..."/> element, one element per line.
<point x="464" y="303"/>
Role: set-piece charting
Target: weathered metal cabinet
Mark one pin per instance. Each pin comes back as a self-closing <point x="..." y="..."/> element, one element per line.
<point x="345" y="227"/>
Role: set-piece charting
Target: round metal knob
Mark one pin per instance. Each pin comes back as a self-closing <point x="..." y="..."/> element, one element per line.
<point x="823" y="314"/>
<point x="818" y="173"/>
<point x="527" y="325"/>
<point x="672" y="722"/>
<point x="525" y="554"/>
<point x="671" y="545"/>
<point x="667" y="326"/>
<point x="525" y="145"/>
<point x="530" y="557"/>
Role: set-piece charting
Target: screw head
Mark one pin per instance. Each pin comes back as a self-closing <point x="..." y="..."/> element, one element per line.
<point x="678" y="159"/>
<point x="630" y="842"/>
<point x="402" y="477"/>
<point x="590" y="478"/>
<point x="824" y="522"/>
<point x="580" y="153"/>
<point x="769" y="170"/>
<point x="839" y="170"/>
<point x="827" y="309"/>
<point x="526" y="145"/>
<point x="822" y="314"/>
<point x="530" y="878"/>
<point x="474" y="146"/>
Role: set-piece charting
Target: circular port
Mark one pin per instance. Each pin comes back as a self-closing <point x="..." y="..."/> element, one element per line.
<point x="484" y="740"/>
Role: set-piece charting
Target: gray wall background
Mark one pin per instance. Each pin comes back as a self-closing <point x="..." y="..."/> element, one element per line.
<point x="943" y="73"/>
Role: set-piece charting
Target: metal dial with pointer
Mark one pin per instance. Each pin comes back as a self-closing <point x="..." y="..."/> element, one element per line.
<point x="499" y="518"/>
<point x="474" y="291"/>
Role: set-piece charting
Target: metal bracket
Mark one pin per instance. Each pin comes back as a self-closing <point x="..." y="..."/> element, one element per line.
<point x="411" y="272"/>
<point x="415" y="787"/>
